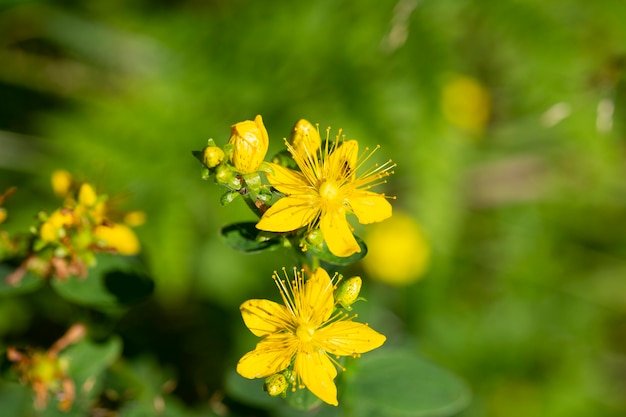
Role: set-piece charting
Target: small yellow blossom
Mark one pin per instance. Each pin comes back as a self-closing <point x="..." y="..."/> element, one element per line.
<point x="47" y="372"/>
<point x="51" y="229"/>
<point x="61" y="182"/>
<point x="3" y="214"/>
<point x="398" y="252"/>
<point x="307" y="332"/>
<point x="250" y="142"/>
<point x="119" y="237"/>
<point x="87" y="195"/>
<point x="325" y="190"/>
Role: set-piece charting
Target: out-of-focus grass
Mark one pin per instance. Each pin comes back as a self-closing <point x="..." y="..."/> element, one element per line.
<point x="525" y="294"/>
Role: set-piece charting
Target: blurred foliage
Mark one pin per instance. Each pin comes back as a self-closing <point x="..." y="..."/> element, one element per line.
<point x="523" y="209"/>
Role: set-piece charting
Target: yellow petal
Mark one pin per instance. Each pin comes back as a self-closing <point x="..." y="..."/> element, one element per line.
<point x="369" y="207"/>
<point x="286" y="180"/>
<point x="271" y="355"/>
<point x="119" y="237"/>
<point x="348" y="338"/>
<point x="337" y="234"/>
<point x="342" y="162"/>
<point x="264" y="317"/>
<point x="317" y="373"/>
<point x="318" y="298"/>
<point x="289" y="213"/>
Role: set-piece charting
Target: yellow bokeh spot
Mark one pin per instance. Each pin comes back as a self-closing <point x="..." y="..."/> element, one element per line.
<point x="61" y="182"/>
<point x="3" y="214"/>
<point x="119" y="237"/>
<point x="398" y="252"/>
<point x="466" y="104"/>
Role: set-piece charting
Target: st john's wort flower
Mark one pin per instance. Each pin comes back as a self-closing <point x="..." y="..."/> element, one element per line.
<point x="305" y="333"/>
<point x="325" y="189"/>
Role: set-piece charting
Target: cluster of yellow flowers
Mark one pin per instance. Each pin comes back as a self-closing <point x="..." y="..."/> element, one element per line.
<point x="317" y="192"/>
<point x="305" y="196"/>
<point x="67" y="239"/>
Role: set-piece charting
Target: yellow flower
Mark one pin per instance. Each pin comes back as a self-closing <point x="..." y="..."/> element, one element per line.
<point x="325" y="190"/>
<point x="50" y="229"/>
<point x="306" y="331"/>
<point x="119" y="237"/>
<point x="250" y="141"/>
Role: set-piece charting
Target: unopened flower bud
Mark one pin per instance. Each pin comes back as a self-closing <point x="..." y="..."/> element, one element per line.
<point x="348" y="292"/>
<point x="61" y="182"/>
<point x="276" y="385"/>
<point x="250" y="142"/>
<point x="305" y="138"/>
<point x="212" y="156"/>
<point x="315" y="238"/>
<point x="87" y="195"/>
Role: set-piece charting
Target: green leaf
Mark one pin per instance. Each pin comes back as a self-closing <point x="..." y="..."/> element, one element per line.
<point x="250" y="391"/>
<point x="303" y="399"/>
<point x="88" y="359"/>
<point x="245" y="237"/>
<point x="114" y="282"/>
<point x="15" y="399"/>
<point x="322" y="252"/>
<point x="28" y="283"/>
<point x="399" y="383"/>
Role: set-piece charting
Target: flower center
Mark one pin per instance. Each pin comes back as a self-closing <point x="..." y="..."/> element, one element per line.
<point x="329" y="190"/>
<point x="305" y="332"/>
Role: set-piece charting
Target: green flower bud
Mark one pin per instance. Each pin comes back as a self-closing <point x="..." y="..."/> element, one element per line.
<point x="226" y="176"/>
<point x="276" y="385"/>
<point x="212" y="156"/>
<point x="348" y="292"/>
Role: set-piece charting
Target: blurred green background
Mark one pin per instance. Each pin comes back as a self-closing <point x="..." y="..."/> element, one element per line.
<point x="506" y="120"/>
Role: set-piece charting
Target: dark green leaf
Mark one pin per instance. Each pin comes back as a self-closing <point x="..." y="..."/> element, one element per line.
<point x="113" y="282"/>
<point x="250" y="391"/>
<point x="398" y="383"/>
<point x="245" y="237"/>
